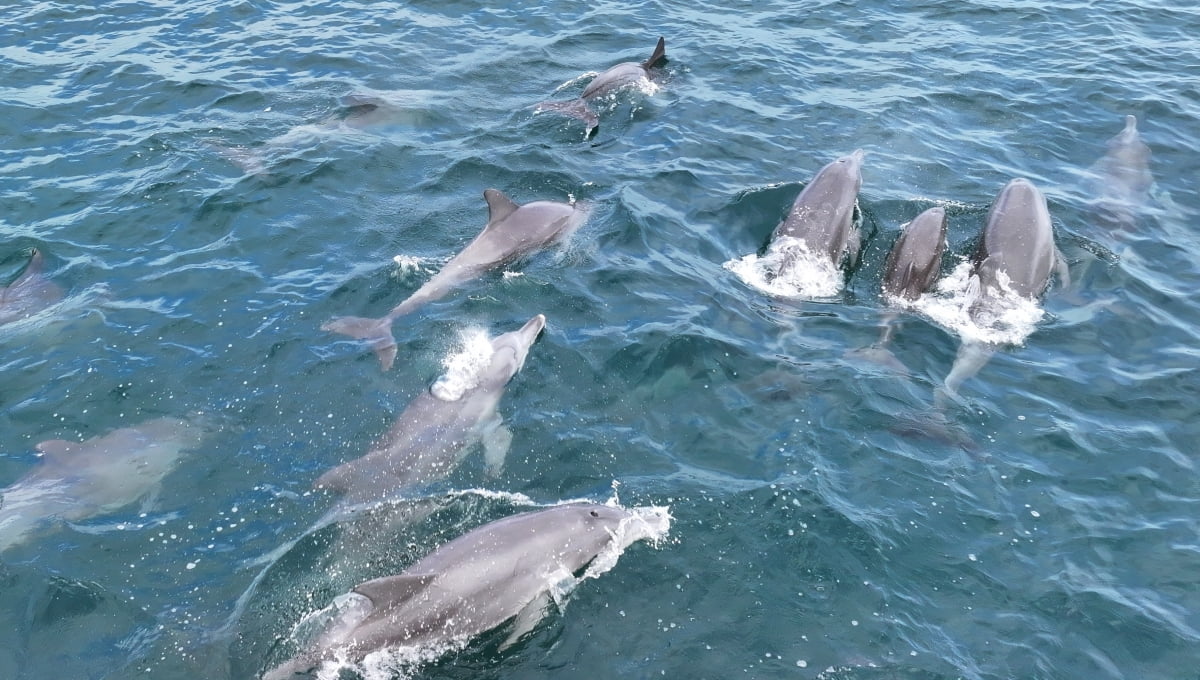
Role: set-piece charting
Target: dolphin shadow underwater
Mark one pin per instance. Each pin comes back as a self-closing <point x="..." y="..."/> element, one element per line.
<point x="512" y="231"/>
<point x="622" y="75"/>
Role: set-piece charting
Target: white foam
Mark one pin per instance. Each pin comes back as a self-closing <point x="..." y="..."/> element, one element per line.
<point x="789" y="270"/>
<point x="1004" y="318"/>
<point x="408" y="264"/>
<point x="464" y="365"/>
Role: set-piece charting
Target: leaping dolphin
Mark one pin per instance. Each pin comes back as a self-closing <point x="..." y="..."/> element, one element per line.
<point x="29" y="293"/>
<point x="435" y="431"/>
<point x="1122" y="178"/>
<point x="503" y="570"/>
<point x="822" y="216"/>
<point x="511" y="232"/>
<point x="1015" y="259"/>
<point x="615" y="78"/>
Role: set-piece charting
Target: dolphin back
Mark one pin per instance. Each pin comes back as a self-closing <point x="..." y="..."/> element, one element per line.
<point x="916" y="259"/>
<point x="1017" y="250"/>
<point x="822" y="216"/>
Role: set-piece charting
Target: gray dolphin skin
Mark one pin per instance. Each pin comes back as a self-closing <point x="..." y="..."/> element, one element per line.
<point x="474" y="583"/>
<point x="433" y="433"/>
<point x="78" y="480"/>
<point x="511" y="232"/>
<point x="1016" y="255"/>
<point x="916" y="258"/>
<point x="615" y="78"/>
<point x="29" y="293"/>
<point x="822" y="216"/>
<point x="1122" y="178"/>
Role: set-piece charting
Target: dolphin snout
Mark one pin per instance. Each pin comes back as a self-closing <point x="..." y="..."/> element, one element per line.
<point x="533" y="328"/>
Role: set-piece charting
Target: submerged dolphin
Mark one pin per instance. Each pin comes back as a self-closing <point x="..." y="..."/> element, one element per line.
<point x="512" y="231"/>
<point x="1015" y="259"/>
<point x="29" y="293"/>
<point x="475" y="583"/>
<point x="615" y="78"/>
<point x="78" y="480"/>
<point x="1122" y="178"/>
<point x="822" y="216"/>
<point x="435" y="431"/>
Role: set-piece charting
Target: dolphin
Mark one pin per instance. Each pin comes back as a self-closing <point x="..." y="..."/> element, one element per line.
<point x="911" y="268"/>
<point x="29" y="293"/>
<point x="508" y="569"/>
<point x="436" y="430"/>
<point x="78" y="480"/>
<point x="619" y="76"/>
<point x="1122" y="178"/>
<point x="511" y="232"/>
<point x="822" y="216"/>
<point x="1016" y="256"/>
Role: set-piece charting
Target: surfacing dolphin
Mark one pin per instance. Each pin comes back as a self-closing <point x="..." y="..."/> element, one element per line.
<point x="436" y="430"/>
<point x="822" y="216"/>
<point x="1014" y="261"/>
<point x="511" y="232"/>
<point x="508" y="569"/>
<point x="78" y="480"/>
<point x="912" y="267"/>
<point x="29" y="293"/>
<point x="619" y="76"/>
<point x="1122" y="179"/>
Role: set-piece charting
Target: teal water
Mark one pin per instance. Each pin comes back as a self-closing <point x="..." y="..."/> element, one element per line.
<point x="1049" y="531"/>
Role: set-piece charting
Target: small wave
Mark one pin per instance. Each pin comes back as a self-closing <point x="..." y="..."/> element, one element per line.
<point x="464" y="365"/>
<point x="789" y="270"/>
<point x="958" y="305"/>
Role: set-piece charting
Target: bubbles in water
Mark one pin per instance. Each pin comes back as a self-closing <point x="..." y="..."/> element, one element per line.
<point x="464" y="365"/>
<point x="789" y="270"/>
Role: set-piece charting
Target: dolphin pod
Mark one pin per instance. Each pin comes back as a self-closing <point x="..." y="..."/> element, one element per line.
<point x="503" y="570"/>
<point x="429" y="438"/>
<point x="512" y="231"/>
<point x="619" y="76"/>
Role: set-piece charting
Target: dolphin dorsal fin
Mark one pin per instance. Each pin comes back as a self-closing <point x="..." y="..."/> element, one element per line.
<point x="32" y="270"/>
<point x="499" y="205"/>
<point x="53" y="449"/>
<point x="393" y="588"/>
<point x="660" y="51"/>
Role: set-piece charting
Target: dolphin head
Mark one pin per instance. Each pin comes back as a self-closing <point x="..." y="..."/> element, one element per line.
<point x="510" y="349"/>
<point x="853" y="163"/>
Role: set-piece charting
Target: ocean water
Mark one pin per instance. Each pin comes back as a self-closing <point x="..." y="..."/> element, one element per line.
<point x="206" y="197"/>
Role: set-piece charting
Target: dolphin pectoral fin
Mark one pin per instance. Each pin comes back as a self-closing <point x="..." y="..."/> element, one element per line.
<point x="377" y="332"/>
<point x="496" y="442"/>
<point x="1064" y="273"/>
<point x="499" y="205"/>
<point x="660" y="52"/>
<point x="391" y="589"/>
<point x="574" y="108"/>
<point x="527" y="619"/>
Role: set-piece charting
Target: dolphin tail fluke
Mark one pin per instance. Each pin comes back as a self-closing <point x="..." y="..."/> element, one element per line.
<point x="660" y="52"/>
<point x="377" y="332"/>
<point x="575" y="108"/>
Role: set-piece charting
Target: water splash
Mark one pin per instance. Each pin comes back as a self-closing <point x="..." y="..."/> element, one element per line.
<point x="464" y="365"/>
<point x="789" y="270"/>
<point x="958" y="305"/>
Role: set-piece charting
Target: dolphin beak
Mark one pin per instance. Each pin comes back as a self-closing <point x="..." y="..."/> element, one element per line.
<point x="857" y="156"/>
<point x="532" y="328"/>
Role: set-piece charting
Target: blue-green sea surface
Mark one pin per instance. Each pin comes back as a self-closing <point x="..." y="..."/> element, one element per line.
<point x="208" y="190"/>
